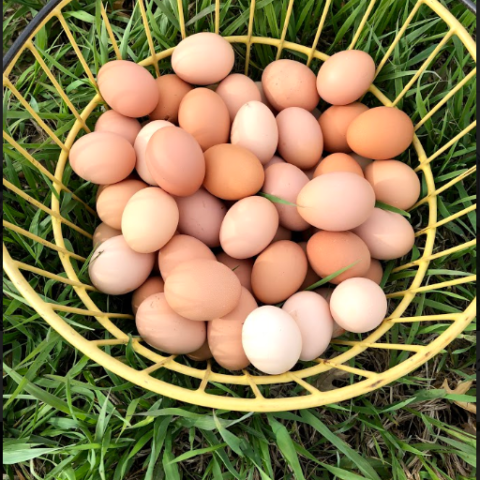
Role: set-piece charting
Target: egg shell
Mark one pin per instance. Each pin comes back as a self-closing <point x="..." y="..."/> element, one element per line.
<point x="181" y="248"/>
<point x="272" y="340"/>
<point x="345" y="77"/>
<point x="151" y="286"/>
<point x="278" y="272"/>
<point x="282" y="234"/>
<point x="114" y="122"/>
<point x="255" y="129"/>
<point x="312" y="315"/>
<point x="204" y="115"/>
<point x="201" y="216"/>
<point x="300" y="137"/>
<point x="388" y="235"/>
<point x="116" y="269"/>
<point x="336" y="202"/>
<point x="275" y="159"/>
<point x="241" y="268"/>
<point x="232" y="172"/>
<point x="264" y="97"/>
<point x="202" y="289"/>
<point x="285" y="181"/>
<point x="362" y="161"/>
<point x="394" y="183"/>
<point x="104" y="232"/>
<point x="176" y="161"/>
<point x="149" y="220"/>
<point x="166" y="330"/>
<point x="375" y="272"/>
<point x="102" y="158"/>
<point x="358" y="305"/>
<point x="288" y="83"/>
<point x="338" y="162"/>
<point x="203" y="58"/>
<point x="326" y="293"/>
<point x="128" y="88"/>
<point x="248" y="227"/>
<point x="225" y="334"/>
<point x="311" y="277"/>
<point x="202" y="354"/>
<point x="381" y="133"/>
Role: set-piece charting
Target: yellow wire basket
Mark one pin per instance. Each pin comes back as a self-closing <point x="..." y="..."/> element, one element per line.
<point x="115" y="346"/>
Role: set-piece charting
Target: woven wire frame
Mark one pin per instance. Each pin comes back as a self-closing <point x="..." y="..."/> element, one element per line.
<point x="253" y="399"/>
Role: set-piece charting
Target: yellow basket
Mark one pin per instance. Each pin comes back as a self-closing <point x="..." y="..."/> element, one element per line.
<point x="207" y="387"/>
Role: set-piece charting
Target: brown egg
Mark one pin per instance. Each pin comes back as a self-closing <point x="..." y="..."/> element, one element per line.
<point x="278" y="272"/>
<point x="236" y="90"/>
<point x="176" y="161"/>
<point x="202" y="354"/>
<point x="241" y="268"/>
<point x="152" y="285"/>
<point x="328" y="252"/>
<point x="171" y="90"/>
<point x="166" y="330"/>
<point x="375" y="272"/>
<point x="311" y="277"/>
<point x="380" y="133"/>
<point x="104" y="232"/>
<point x="114" y="122"/>
<point x="282" y="234"/>
<point x="394" y="183"/>
<point x="338" y="162"/>
<point x="204" y="115"/>
<point x="334" y="122"/>
<point x="202" y="289"/>
<point x="232" y="172"/>
<point x="225" y="334"/>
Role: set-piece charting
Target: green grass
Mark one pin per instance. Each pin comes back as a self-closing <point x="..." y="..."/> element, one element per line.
<point x="67" y="418"/>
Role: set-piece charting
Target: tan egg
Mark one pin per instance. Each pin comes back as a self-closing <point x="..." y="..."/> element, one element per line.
<point x="278" y="272"/>
<point x="236" y="90"/>
<point x="232" y="172"/>
<point x="285" y="181"/>
<point x="149" y="220"/>
<point x="181" y="248"/>
<point x="225" y="334"/>
<point x="171" y="90"/>
<point x="282" y="234"/>
<point x="202" y="354"/>
<point x="300" y="138"/>
<point x="345" y="77"/>
<point x="381" y="133"/>
<point x="334" y="122"/>
<point x="275" y="159"/>
<point x="336" y="202"/>
<point x="104" y="232"/>
<point x="248" y="227"/>
<point x="165" y="330"/>
<point x="203" y="58"/>
<point x="241" y="268"/>
<point x="288" y="83"/>
<point x="102" y="158"/>
<point x="116" y="269"/>
<point x="112" y="201"/>
<point x="375" y="272"/>
<point x="338" y="162"/>
<point x="128" y="88"/>
<point x="394" y="183"/>
<point x="202" y="289"/>
<point x="204" y="115"/>
<point x="311" y="277"/>
<point x="388" y="235"/>
<point x="362" y="161"/>
<point x="151" y="286"/>
<point x="329" y="252"/>
<point x="114" y="122"/>
<point x="176" y="161"/>
<point x="264" y="97"/>
<point x="201" y="216"/>
<point x="255" y="129"/>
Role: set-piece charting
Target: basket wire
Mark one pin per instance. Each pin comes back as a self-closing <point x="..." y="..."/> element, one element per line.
<point x="254" y="400"/>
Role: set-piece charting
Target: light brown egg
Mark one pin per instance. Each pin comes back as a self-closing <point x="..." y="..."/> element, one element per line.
<point x="176" y="161"/>
<point x="282" y="234"/>
<point x="166" y="330"/>
<point x="232" y="172"/>
<point x="334" y="122"/>
<point x="300" y="137"/>
<point x="202" y="289"/>
<point x="375" y="272"/>
<point x="241" y="268"/>
<point x="104" y="232"/>
<point x="102" y="158"/>
<point x="288" y="83"/>
<point x="225" y="334"/>
<point x="149" y="220"/>
<point x="181" y="248"/>
<point x="204" y="115"/>
<point x="151" y="286"/>
<point x="380" y="133"/>
<point x="362" y="161"/>
<point x="128" y="88"/>
<point x="278" y="272"/>
<point x="311" y="277"/>
<point x="329" y="252"/>
<point x="338" y="162"/>
<point x="264" y="97"/>
<point x="202" y="354"/>
<point x="171" y="90"/>
<point x="236" y="90"/>
<point x="114" y="122"/>
<point x="394" y="183"/>
<point x="275" y="159"/>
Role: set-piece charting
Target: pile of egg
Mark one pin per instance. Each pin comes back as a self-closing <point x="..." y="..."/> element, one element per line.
<point x="221" y="208"/>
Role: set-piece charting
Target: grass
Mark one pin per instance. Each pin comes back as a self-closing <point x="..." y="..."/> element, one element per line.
<point x="67" y="418"/>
